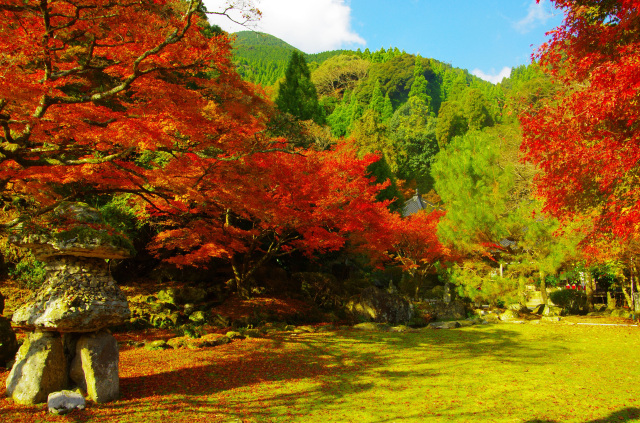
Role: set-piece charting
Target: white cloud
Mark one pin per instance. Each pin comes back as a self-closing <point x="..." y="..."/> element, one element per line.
<point x="495" y="78"/>
<point x="538" y="14"/>
<point x="310" y="25"/>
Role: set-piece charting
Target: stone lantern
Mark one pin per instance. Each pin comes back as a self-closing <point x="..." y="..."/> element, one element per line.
<point x="70" y="344"/>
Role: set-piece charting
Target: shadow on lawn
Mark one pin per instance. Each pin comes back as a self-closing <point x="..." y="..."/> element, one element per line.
<point x="624" y="415"/>
<point x="318" y="371"/>
<point x="203" y="384"/>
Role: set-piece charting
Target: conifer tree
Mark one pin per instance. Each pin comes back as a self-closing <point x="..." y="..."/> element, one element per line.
<point x="387" y="109"/>
<point x="377" y="99"/>
<point x="297" y="95"/>
<point x="419" y="88"/>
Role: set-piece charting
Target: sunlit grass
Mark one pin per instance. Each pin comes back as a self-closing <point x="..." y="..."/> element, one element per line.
<point x="497" y="373"/>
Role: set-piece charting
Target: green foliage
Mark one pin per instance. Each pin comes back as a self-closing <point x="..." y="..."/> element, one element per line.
<point x="297" y="94"/>
<point x="262" y="58"/>
<point x="339" y="74"/>
<point x="419" y="87"/>
<point x="28" y="272"/>
<point x="482" y="283"/>
<point x="451" y="123"/>
<point x="476" y="110"/>
<point x="573" y="301"/>
<point x="413" y="131"/>
<point x="474" y="186"/>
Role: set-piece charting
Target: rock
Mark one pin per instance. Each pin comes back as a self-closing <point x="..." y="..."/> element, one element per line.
<point x="371" y="326"/>
<point x="445" y="325"/>
<point x="621" y="312"/>
<point x="157" y="345"/>
<point x="552" y="311"/>
<point x="469" y="322"/>
<point x="455" y="310"/>
<point x="95" y="366"/>
<point x="40" y="369"/>
<point x="380" y="306"/>
<point x="509" y="315"/>
<point x="79" y="295"/>
<point x="191" y="294"/>
<point x="252" y="333"/>
<point x="401" y="328"/>
<point x="198" y="317"/>
<point x="552" y="319"/>
<point x="234" y="335"/>
<point x="8" y="342"/>
<point x="65" y="401"/>
<point x="169" y="296"/>
<point x="491" y="318"/>
<point x="539" y="309"/>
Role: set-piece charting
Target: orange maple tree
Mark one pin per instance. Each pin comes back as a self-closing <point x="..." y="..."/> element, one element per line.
<point x="97" y="95"/>
<point x="586" y="140"/>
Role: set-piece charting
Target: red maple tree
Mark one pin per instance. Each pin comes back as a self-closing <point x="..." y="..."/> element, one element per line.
<point x="586" y="140"/>
<point x="96" y="96"/>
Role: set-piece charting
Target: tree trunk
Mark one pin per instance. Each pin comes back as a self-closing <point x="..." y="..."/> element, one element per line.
<point x="543" y="288"/>
<point x="589" y="288"/>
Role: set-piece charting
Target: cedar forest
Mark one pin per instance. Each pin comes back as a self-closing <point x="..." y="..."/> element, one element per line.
<point x="239" y="152"/>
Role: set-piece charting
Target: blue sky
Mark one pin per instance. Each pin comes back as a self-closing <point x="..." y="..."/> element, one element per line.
<point x="487" y="37"/>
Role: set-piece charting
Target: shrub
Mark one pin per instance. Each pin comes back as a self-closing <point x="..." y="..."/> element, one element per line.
<point x="574" y="302"/>
<point x="29" y="272"/>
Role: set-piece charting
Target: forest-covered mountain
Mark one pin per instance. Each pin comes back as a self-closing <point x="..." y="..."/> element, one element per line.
<point x="402" y="105"/>
<point x="262" y="58"/>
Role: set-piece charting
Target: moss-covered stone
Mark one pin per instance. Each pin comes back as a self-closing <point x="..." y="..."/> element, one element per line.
<point x="95" y="366"/>
<point x="157" y="345"/>
<point x="40" y="369"/>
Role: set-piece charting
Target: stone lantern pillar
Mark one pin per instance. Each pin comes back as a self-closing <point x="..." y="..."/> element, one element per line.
<point x="70" y="345"/>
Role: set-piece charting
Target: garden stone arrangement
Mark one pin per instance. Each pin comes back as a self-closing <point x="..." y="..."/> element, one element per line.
<point x="70" y="345"/>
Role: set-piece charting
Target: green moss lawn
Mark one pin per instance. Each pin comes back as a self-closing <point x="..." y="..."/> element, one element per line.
<point x="490" y="373"/>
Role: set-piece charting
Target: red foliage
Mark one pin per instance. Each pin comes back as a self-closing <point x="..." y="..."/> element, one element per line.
<point x="587" y="139"/>
<point x="416" y="246"/>
<point x="96" y="96"/>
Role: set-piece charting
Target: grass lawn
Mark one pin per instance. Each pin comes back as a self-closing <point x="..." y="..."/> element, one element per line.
<point x="490" y="373"/>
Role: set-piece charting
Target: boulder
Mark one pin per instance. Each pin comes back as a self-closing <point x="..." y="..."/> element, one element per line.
<point x="191" y="294"/>
<point x="552" y="319"/>
<point x="509" y="315"/>
<point x="454" y="310"/>
<point x="370" y="326"/>
<point x="198" y="317"/>
<point x="552" y="311"/>
<point x="8" y="342"/>
<point x="40" y="369"/>
<point x="65" y="401"/>
<point x="234" y="335"/>
<point x="160" y="344"/>
<point x="79" y="295"/>
<point x="621" y="312"/>
<point x="444" y="325"/>
<point x="380" y="306"/>
<point x="95" y="366"/>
